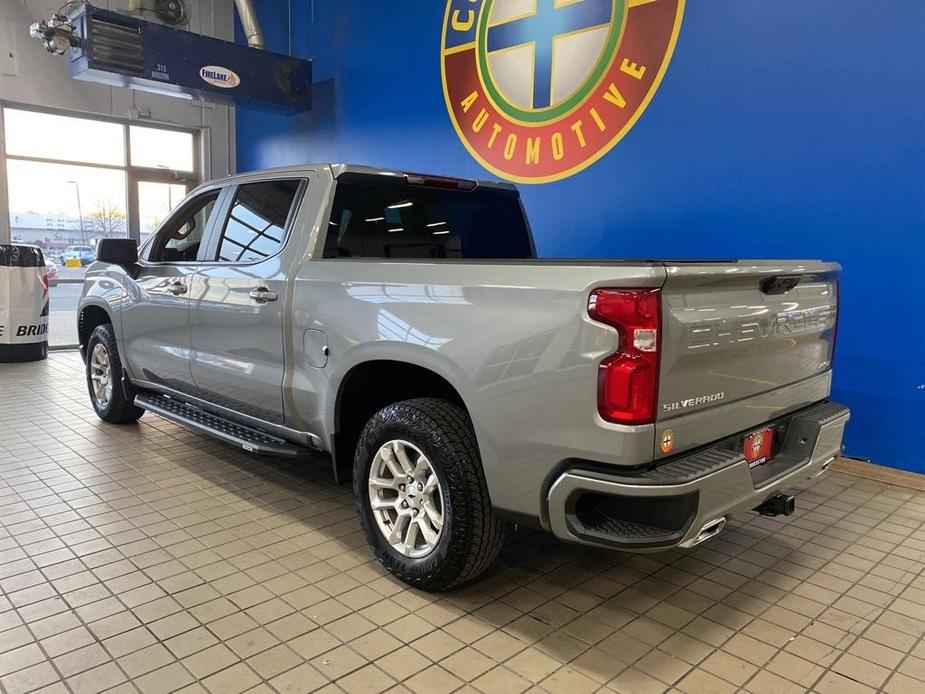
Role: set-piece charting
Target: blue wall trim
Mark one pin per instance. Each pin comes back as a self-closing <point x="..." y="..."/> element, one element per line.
<point x="785" y="129"/>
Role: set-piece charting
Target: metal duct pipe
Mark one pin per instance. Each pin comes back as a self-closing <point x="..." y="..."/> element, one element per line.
<point x="251" y="24"/>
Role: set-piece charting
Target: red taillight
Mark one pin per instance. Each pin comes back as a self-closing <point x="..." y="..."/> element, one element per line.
<point x="628" y="379"/>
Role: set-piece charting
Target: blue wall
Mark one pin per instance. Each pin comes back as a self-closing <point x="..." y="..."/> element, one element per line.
<point x="781" y="129"/>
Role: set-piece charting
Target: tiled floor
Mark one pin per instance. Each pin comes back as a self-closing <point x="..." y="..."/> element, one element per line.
<point x="152" y="558"/>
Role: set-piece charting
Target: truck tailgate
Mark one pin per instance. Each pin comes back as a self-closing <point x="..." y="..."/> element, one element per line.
<point x="737" y="336"/>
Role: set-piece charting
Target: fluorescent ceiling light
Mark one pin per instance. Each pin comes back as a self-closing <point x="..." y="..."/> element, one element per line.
<point x="436" y="224"/>
<point x="395" y="229"/>
<point x="407" y="203"/>
<point x="440" y="233"/>
<point x="376" y="219"/>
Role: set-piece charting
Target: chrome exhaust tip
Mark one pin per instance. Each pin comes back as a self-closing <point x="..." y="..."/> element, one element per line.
<point x="823" y="468"/>
<point x="706" y="532"/>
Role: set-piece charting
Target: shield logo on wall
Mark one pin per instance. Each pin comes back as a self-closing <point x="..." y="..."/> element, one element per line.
<point x="539" y="89"/>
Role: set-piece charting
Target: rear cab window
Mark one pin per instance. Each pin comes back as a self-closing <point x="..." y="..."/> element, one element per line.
<point x="400" y="220"/>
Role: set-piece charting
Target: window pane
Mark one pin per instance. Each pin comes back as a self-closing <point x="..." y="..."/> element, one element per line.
<point x="44" y="212"/>
<point x="60" y="205"/>
<point x="179" y="239"/>
<point x="257" y="223"/>
<point x="155" y="202"/>
<point x="372" y="220"/>
<point x="32" y="134"/>
<point x="161" y="149"/>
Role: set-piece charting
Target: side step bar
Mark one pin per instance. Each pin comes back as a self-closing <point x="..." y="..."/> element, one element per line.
<point x="248" y="438"/>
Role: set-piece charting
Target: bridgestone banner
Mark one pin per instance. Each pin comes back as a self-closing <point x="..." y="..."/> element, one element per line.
<point x="23" y="304"/>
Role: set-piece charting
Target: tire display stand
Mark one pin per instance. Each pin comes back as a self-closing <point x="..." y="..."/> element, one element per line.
<point x="23" y="304"/>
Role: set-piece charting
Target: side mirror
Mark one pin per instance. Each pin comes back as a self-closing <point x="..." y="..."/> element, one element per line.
<point x="117" y="251"/>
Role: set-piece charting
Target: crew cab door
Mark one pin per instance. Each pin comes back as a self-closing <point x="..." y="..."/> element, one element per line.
<point x="238" y="300"/>
<point x="155" y="316"/>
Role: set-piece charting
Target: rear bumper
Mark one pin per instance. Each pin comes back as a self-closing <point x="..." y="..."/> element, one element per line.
<point x="685" y="501"/>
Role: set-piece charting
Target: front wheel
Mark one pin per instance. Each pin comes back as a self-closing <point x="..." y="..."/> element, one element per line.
<point x="422" y="497"/>
<point x="104" y="378"/>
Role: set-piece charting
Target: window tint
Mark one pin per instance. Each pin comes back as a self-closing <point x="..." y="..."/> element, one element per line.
<point x="256" y="225"/>
<point x="180" y="237"/>
<point x="372" y="220"/>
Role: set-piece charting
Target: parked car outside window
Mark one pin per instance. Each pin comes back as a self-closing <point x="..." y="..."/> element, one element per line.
<point x="84" y="255"/>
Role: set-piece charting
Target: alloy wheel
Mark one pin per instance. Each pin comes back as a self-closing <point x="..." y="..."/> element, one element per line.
<point x="101" y="375"/>
<point x="406" y="498"/>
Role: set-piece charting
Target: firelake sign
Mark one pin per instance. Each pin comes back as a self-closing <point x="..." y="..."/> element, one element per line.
<point x="540" y="89"/>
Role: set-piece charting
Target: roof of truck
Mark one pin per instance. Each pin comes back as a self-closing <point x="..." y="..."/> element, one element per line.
<point x="339" y="169"/>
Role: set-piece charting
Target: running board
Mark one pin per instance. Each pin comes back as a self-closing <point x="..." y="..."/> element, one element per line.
<point x="250" y="439"/>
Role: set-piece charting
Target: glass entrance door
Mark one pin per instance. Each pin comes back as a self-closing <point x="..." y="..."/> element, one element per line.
<point x="105" y="179"/>
<point x="156" y="199"/>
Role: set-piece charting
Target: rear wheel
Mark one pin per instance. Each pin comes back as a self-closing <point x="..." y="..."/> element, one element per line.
<point x="104" y="378"/>
<point x="422" y="497"/>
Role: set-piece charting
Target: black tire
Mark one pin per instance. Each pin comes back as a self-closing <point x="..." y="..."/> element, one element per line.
<point x="472" y="535"/>
<point x="119" y="409"/>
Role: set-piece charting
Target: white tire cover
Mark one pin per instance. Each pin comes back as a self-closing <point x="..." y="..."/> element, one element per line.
<point x="23" y="295"/>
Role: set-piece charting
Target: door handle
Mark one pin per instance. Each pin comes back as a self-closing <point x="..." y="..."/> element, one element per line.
<point x="262" y="295"/>
<point x="176" y="288"/>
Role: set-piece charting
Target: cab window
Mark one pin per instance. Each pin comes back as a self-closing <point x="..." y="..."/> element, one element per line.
<point x="404" y="221"/>
<point x="256" y="224"/>
<point x="179" y="239"/>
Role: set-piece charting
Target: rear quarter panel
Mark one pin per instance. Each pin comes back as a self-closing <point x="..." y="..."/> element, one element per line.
<point x="514" y="340"/>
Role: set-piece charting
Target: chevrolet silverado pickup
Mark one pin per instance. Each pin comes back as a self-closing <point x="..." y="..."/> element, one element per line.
<point x="401" y="325"/>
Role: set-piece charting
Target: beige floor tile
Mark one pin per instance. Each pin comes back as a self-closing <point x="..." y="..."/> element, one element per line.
<point x="765" y="682"/>
<point x="96" y="680"/>
<point x="633" y="681"/>
<point x="274" y="661"/>
<point x="151" y="544"/>
<point x="468" y="664"/>
<point x="299" y="680"/>
<point x="902" y="684"/>
<point x="568" y="679"/>
<point x="662" y="666"/>
<point x="834" y="683"/>
<point x="367" y="680"/>
<point x="532" y="664"/>
<point x="433" y="680"/>
<point x="145" y="660"/>
<point x="598" y="665"/>
<point x="703" y="682"/>
<point x="338" y="662"/>
<point x="499" y="646"/>
<point x="403" y="663"/>
<point x="500" y="680"/>
<point x="209" y="661"/>
<point x="232" y="680"/>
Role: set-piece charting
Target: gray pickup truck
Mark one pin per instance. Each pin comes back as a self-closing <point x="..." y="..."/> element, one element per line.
<point x="401" y="324"/>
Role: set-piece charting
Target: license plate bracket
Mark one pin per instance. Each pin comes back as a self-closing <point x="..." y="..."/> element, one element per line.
<point x="757" y="446"/>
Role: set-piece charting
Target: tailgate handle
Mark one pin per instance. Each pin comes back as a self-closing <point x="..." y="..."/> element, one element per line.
<point x="779" y="284"/>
